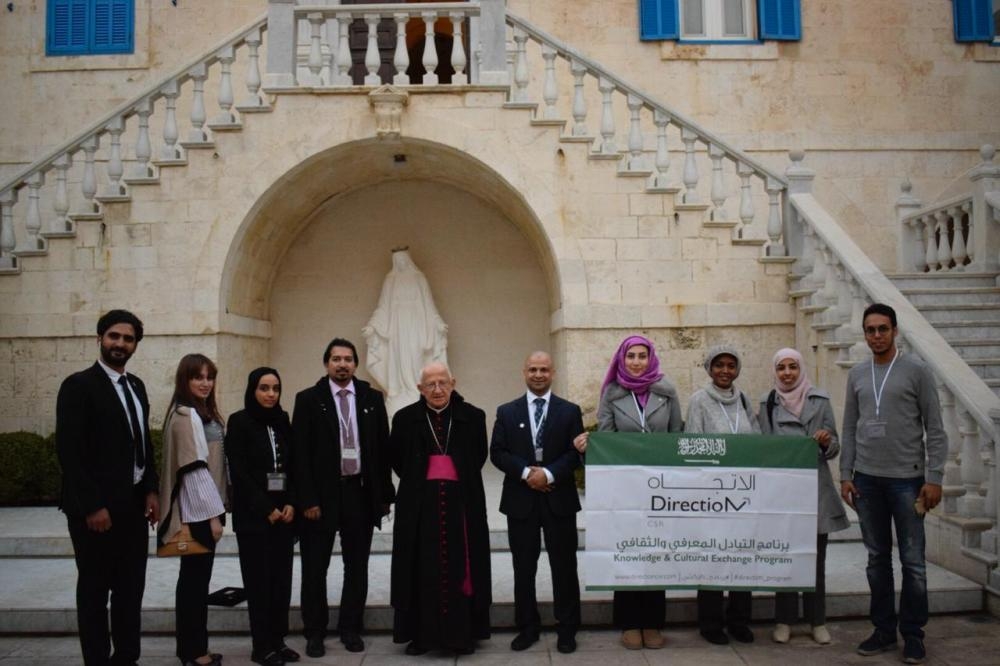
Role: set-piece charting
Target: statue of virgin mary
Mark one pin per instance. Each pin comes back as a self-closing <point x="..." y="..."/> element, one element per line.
<point x="405" y="332"/>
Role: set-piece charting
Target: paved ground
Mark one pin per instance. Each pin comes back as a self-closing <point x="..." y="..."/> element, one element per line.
<point x="952" y="640"/>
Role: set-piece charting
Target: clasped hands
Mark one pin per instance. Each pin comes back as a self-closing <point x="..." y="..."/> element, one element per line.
<point x="537" y="480"/>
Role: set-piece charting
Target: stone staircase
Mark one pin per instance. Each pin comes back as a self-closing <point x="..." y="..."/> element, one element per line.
<point x="965" y="309"/>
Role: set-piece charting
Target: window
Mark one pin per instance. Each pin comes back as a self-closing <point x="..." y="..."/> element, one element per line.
<point x="89" y="27"/>
<point x="977" y="21"/>
<point x="720" y="20"/>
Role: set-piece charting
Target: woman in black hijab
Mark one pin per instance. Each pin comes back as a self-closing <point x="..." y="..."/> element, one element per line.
<point x="258" y="445"/>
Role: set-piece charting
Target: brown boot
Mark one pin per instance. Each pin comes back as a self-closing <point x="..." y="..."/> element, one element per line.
<point x="653" y="639"/>
<point x="632" y="639"/>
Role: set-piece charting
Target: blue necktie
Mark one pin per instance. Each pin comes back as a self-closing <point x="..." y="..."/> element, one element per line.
<point x="539" y="426"/>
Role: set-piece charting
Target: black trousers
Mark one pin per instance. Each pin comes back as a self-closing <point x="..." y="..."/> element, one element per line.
<point x="786" y="604"/>
<point x="639" y="609"/>
<point x="316" y="545"/>
<point x="560" y="543"/>
<point x="266" y="565"/>
<point x="191" y="597"/>
<point x="111" y="563"/>
<point x="710" y="610"/>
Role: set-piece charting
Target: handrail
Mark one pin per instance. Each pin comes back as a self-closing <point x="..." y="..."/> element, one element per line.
<point x="647" y="99"/>
<point x="124" y="110"/>
<point x="944" y="204"/>
<point x="967" y="387"/>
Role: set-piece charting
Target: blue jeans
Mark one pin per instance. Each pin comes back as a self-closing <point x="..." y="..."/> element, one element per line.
<point x="882" y="502"/>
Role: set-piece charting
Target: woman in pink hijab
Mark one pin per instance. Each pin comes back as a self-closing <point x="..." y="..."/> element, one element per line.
<point x="795" y="407"/>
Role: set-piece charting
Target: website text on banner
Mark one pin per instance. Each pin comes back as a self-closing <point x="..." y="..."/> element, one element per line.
<point x="676" y="511"/>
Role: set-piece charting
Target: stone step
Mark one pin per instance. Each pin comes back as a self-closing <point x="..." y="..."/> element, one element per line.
<point x="951" y="312"/>
<point x="944" y="280"/>
<point x="986" y="368"/>
<point x="37" y="595"/>
<point x="966" y="330"/>
<point x="954" y="296"/>
<point x="976" y="349"/>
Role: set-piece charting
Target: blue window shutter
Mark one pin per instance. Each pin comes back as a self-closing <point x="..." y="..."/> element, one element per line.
<point x="780" y="19"/>
<point x="973" y="21"/>
<point x="658" y="19"/>
<point x="66" y="27"/>
<point x="112" y="26"/>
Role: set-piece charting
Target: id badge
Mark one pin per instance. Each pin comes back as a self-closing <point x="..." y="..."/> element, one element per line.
<point x="875" y="429"/>
<point x="538" y="455"/>
<point x="276" y="481"/>
<point x="349" y="454"/>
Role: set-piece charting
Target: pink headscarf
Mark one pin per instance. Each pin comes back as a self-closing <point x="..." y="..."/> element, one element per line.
<point x="793" y="399"/>
<point x="618" y="374"/>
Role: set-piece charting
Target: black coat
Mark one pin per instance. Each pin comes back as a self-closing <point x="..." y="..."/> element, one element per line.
<point x="95" y="446"/>
<point x="411" y="443"/>
<point x="317" y="451"/>
<point x="248" y="450"/>
<point x="512" y="449"/>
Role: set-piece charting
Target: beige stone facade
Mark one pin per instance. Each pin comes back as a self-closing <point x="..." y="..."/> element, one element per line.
<point x="277" y="238"/>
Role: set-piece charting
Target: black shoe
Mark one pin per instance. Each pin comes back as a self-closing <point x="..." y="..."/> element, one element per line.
<point x="524" y="640"/>
<point x="415" y="649"/>
<point x="715" y="636"/>
<point x="741" y="634"/>
<point x="566" y="644"/>
<point x="465" y="650"/>
<point x="288" y="655"/>
<point x="877" y="643"/>
<point x="216" y="657"/>
<point x="271" y="658"/>
<point x="315" y="647"/>
<point x="352" y="642"/>
<point x="913" y="650"/>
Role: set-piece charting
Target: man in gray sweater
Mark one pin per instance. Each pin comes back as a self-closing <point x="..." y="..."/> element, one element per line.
<point x="891" y="473"/>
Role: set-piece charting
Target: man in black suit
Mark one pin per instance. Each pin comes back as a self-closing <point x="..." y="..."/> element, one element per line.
<point x="344" y="483"/>
<point x="533" y="446"/>
<point x="109" y="490"/>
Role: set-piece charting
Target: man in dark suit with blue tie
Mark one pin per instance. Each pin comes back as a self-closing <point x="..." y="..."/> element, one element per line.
<point x="109" y="490"/>
<point x="533" y="446"/>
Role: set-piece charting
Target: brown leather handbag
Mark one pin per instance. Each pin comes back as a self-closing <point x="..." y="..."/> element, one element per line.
<point x="182" y="543"/>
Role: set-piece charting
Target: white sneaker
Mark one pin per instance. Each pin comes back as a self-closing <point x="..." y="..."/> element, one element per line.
<point x="782" y="633"/>
<point x="821" y="635"/>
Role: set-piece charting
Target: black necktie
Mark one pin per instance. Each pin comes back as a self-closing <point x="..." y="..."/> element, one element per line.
<point x="539" y="423"/>
<point x="133" y="415"/>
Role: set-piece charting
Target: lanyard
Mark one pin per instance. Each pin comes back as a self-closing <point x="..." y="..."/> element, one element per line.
<point x="274" y="447"/>
<point x="639" y="410"/>
<point x="878" y="391"/>
<point x="447" y="437"/>
<point x="739" y="412"/>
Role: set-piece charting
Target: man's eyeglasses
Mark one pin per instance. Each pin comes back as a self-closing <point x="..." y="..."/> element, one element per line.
<point x="434" y="386"/>
<point x="880" y="330"/>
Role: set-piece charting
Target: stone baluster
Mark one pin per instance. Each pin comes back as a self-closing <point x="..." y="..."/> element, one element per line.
<point x="315" y="60"/>
<point x="608" y="146"/>
<point x="227" y="55"/>
<point x="579" y="70"/>
<point x="430" y="57"/>
<point x="944" y="247"/>
<point x="971" y="504"/>
<point x="636" y="160"/>
<point x="970" y="244"/>
<point x="930" y="242"/>
<point x="459" y="60"/>
<point x="253" y="99"/>
<point x="88" y="184"/>
<point x="775" y="246"/>
<point x="859" y="350"/>
<point x="401" y="56"/>
<point x="984" y="214"/>
<point x="8" y="240"/>
<point x="520" y="93"/>
<point x="143" y="149"/>
<point x="919" y="259"/>
<point x="837" y="293"/>
<point x="688" y="137"/>
<point x="197" y="133"/>
<point x="958" y="252"/>
<point x="343" y="60"/>
<point x="33" y="219"/>
<point x="990" y="537"/>
<point x="170" y="152"/>
<point x="909" y="256"/>
<point x="822" y="298"/>
<point x="550" y="91"/>
<point x="952" y="472"/>
<point x="61" y="223"/>
<point x="116" y="168"/>
<point x="661" y="162"/>
<point x="744" y="171"/>
<point x="803" y="265"/>
<point x="718" y="194"/>
<point x="373" y="59"/>
<point x="816" y="278"/>
<point x="841" y="314"/>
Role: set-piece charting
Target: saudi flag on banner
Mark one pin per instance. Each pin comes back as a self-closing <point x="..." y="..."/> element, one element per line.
<point x="688" y="511"/>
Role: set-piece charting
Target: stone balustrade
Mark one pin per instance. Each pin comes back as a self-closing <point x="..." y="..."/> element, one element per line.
<point x="127" y="147"/>
<point x="958" y="234"/>
<point x="833" y="282"/>
<point x="647" y="139"/>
